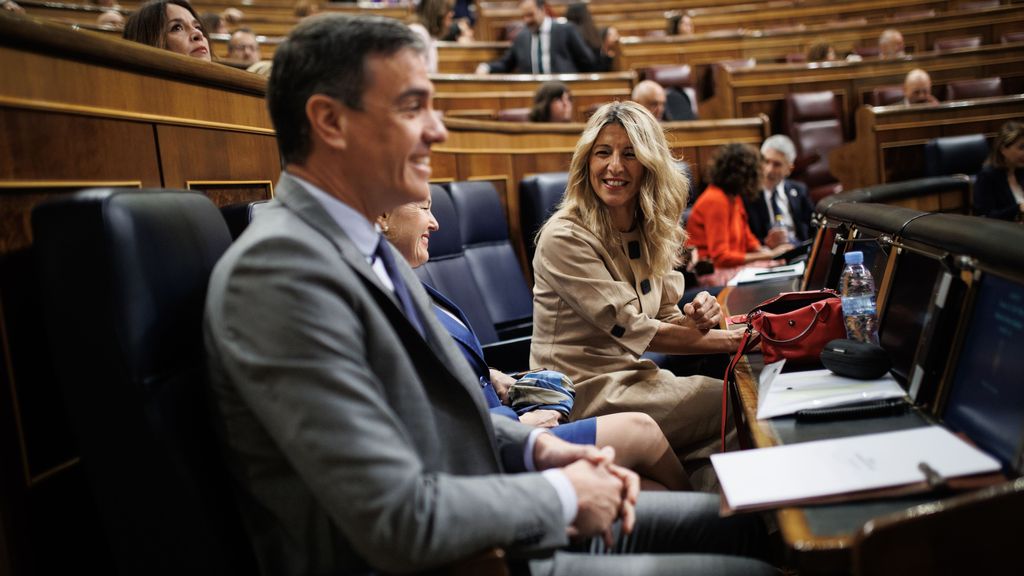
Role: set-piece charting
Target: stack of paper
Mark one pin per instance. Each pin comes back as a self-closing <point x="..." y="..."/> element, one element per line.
<point x="752" y="274"/>
<point x="783" y="394"/>
<point x="807" y="472"/>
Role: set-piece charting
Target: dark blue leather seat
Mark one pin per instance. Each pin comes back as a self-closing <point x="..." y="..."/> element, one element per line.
<point x="448" y="268"/>
<point x="538" y="196"/>
<point x="492" y="260"/>
<point x="239" y="215"/>
<point x="955" y="155"/>
<point x="124" y="275"/>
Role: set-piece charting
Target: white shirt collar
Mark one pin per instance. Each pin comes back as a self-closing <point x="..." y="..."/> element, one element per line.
<point x="363" y="233"/>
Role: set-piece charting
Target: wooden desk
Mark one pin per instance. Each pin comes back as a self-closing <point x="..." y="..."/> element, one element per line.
<point x="890" y="139"/>
<point x="818" y="539"/>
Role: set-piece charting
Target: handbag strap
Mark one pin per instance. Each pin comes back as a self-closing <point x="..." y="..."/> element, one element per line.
<point x="750" y="341"/>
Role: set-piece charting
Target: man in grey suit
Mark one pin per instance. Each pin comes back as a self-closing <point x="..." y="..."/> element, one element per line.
<point x="353" y="428"/>
<point x="559" y="45"/>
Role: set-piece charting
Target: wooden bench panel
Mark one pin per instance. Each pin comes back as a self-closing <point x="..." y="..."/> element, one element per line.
<point x="890" y="139"/>
<point x="482" y="96"/>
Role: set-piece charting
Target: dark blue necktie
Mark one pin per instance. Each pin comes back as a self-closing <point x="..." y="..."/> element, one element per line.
<point x="401" y="290"/>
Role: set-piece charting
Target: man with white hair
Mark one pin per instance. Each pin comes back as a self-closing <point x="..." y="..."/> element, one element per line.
<point x="650" y="95"/>
<point x="917" y="88"/>
<point x="890" y="44"/>
<point x="783" y="207"/>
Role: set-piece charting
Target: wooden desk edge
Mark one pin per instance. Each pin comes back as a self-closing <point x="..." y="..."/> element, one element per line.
<point x="795" y="531"/>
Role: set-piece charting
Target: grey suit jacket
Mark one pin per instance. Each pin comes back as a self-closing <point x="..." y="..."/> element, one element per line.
<point x="353" y="441"/>
<point x="568" y="52"/>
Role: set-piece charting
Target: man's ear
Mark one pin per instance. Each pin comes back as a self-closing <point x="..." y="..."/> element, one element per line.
<point x="327" y="120"/>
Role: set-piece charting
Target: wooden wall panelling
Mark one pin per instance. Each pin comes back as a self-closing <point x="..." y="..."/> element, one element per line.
<point x="219" y="156"/>
<point x="456" y="58"/>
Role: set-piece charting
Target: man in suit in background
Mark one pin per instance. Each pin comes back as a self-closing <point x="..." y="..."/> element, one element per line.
<point x="781" y="201"/>
<point x="353" y="427"/>
<point x="559" y="45"/>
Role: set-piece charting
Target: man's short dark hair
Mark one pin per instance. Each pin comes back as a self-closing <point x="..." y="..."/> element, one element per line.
<point x="326" y="54"/>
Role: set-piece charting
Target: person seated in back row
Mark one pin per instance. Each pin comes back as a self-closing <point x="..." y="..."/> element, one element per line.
<point x="917" y="88"/>
<point x="552" y="103"/>
<point x="560" y="46"/>
<point x="169" y="24"/>
<point x="718" y="225"/>
<point x="781" y="203"/>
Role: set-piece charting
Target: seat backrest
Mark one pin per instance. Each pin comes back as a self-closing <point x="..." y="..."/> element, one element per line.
<point x="956" y="43"/>
<point x="866" y="51"/>
<point x="448" y="269"/>
<point x="239" y="215"/>
<point x="492" y="260"/>
<point x="123" y="274"/>
<point x="955" y="155"/>
<point x="539" y="195"/>
<point x="974" y="88"/>
<point x="514" y="115"/>
<point x="1011" y="37"/>
<point x="812" y="122"/>
<point x="669" y="75"/>
<point x="886" y="95"/>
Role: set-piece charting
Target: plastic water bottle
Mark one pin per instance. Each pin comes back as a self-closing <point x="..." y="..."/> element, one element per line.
<point x="780" y="223"/>
<point x="857" y="288"/>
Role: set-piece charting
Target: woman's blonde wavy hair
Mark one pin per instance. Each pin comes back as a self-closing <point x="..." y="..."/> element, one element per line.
<point x="663" y="188"/>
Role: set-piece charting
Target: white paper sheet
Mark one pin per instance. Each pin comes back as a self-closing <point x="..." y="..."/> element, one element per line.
<point x="783" y="394"/>
<point x="751" y="274"/>
<point x="775" y="476"/>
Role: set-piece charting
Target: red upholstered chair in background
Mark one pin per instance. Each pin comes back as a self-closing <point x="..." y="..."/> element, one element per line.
<point x="870" y="51"/>
<point x="886" y="95"/>
<point x="812" y="121"/>
<point x="976" y="88"/>
<point x="1012" y="37"/>
<point x="514" y="115"/>
<point x="956" y="43"/>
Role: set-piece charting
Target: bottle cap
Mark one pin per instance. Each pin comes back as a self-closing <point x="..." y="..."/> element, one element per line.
<point x="855" y="257"/>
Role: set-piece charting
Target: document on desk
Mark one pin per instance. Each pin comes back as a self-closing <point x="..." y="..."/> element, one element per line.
<point x="781" y="394"/>
<point x="810" y="472"/>
<point x="751" y="274"/>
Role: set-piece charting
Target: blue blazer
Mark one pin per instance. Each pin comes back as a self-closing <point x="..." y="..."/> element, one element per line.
<point x="992" y="195"/>
<point x="470" y="347"/>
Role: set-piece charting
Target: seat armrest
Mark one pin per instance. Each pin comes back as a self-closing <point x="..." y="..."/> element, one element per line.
<point x="509" y="355"/>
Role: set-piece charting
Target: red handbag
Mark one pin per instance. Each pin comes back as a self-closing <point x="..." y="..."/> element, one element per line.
<point x="793" y="325"/>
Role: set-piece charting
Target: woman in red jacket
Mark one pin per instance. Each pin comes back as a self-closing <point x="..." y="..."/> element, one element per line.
<point x="717" y="225"/>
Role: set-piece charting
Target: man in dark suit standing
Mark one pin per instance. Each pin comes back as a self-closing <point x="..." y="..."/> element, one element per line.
<point x="353" y="427"/>
<point x="782" y="204"/>
<point x="544" y="46"/>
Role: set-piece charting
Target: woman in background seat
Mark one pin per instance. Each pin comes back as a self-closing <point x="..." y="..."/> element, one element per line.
<point x="718" y="225"/>
<point x="552" y="103"/>
<point x="169" y="24"/>
<point x="638" y="441"/>
<point x="999" y="189"/>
